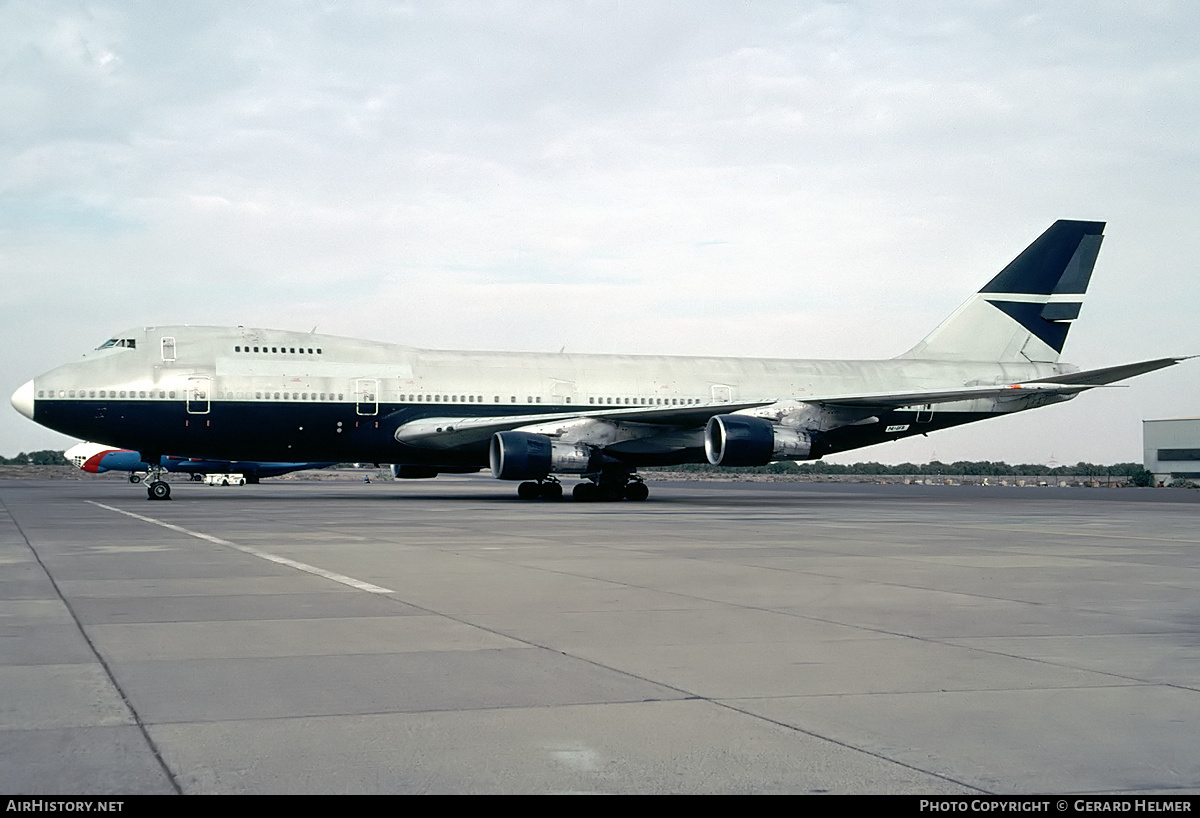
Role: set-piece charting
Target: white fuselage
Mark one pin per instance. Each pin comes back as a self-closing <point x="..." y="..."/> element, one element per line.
<point x="236" y="393"/>
<point x="217" y="364"/>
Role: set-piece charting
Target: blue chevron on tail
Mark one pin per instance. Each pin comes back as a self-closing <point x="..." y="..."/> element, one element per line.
<point x="1024" y="313"/>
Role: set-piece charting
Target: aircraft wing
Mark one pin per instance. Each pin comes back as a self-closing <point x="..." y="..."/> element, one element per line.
<point x="919" y="397"/>
<point x="450" y="432"/>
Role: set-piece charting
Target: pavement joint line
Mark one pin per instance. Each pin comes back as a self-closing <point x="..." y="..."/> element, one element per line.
<point x="946" y="641"/>
<point x="254" y="552"/>
<point x="1053" y="532"/>
<point x="138" y="721"/>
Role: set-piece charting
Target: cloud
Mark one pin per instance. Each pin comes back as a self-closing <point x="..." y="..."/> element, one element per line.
<point x="752" y="179"/>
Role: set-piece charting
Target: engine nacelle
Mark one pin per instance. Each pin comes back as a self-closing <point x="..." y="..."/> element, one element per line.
<point x="741" y="440"/>
<point x="528" y="456"/>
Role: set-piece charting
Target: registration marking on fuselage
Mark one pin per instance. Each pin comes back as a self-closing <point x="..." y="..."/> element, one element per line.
<point x="254" y="552"/>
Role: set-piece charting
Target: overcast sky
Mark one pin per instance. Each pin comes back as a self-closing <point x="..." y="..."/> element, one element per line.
<point x="728" y="178"/>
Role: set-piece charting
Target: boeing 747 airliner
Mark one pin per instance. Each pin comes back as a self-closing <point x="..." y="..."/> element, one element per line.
<point x="233" y="393"/>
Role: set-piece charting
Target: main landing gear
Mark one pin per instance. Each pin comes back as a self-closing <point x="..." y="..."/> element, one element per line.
<point x="607" y="485"/>
<point x="548" y="488"/>
<point x="611" y="485"/>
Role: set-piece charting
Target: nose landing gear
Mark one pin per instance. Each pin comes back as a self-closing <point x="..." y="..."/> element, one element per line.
<point x="156" y="488"/>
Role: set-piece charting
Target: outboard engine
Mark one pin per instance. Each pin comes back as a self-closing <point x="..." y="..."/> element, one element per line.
<point x="741" y="440"/>
<point x="528" y="456"/>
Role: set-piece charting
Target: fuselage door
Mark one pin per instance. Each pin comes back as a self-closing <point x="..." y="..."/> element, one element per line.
<point x="722" y="393"/>
<point x="366" y="396"/>
<point x="925" y="413"/>
<point x="168" y="347"/>
<point x="197" y="395"/>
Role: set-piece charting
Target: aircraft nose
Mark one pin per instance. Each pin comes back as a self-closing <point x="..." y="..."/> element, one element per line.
<point x="22" y="399"/>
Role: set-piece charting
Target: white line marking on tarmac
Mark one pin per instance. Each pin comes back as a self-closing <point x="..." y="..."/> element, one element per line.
<point x="254" y="552"/>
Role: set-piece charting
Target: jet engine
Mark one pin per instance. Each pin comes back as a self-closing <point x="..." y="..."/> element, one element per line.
<point x="528" y="456"/>
<point x="740" y="440"/>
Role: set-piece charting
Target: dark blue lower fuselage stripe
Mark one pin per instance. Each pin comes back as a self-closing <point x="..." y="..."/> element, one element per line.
<point x="336" y="432"/>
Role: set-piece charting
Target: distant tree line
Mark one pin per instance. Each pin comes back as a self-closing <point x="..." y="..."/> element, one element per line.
<point x="45" y="457"/>
<point x="978" y="468"/>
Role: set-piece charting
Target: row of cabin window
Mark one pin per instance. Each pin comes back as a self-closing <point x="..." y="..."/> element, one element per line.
<point x="283" y="396"/>
<point x="413" y="398"/>
<point x="537" y="399"/>
<point x="109" y="393"/>
<point x="288" y="350"/>
<point x="113" y="393"/>
<point x="647" y="402"/>
<point x="163" y="393"/>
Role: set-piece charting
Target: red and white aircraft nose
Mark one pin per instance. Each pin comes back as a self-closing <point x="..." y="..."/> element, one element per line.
<point x="22" y="399"/>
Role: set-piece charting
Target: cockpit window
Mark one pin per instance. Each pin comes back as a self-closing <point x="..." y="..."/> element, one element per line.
<point x="130" y="343"/>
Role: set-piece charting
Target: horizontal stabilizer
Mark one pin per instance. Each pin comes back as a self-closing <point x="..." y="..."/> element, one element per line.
<point x="1111" y="374"/>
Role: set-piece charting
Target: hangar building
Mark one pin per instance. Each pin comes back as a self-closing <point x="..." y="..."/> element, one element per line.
<point x="1171" y="449"/>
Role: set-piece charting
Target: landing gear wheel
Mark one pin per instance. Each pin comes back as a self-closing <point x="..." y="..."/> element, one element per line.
<point x="158" y="490"/>
<point x="586" y="492"/>
<point x="529" y="491"/>
<point x="610" y="485"/>
<point x="551" y="491"/>
<point x="135" y="478"/>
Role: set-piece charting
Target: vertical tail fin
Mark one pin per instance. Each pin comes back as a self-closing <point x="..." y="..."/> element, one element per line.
<point x="1025" y="312"/>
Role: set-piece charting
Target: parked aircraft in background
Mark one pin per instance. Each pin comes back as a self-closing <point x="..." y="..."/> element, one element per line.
<point x="274" y="395"/>
<point x="96" y="458"/>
